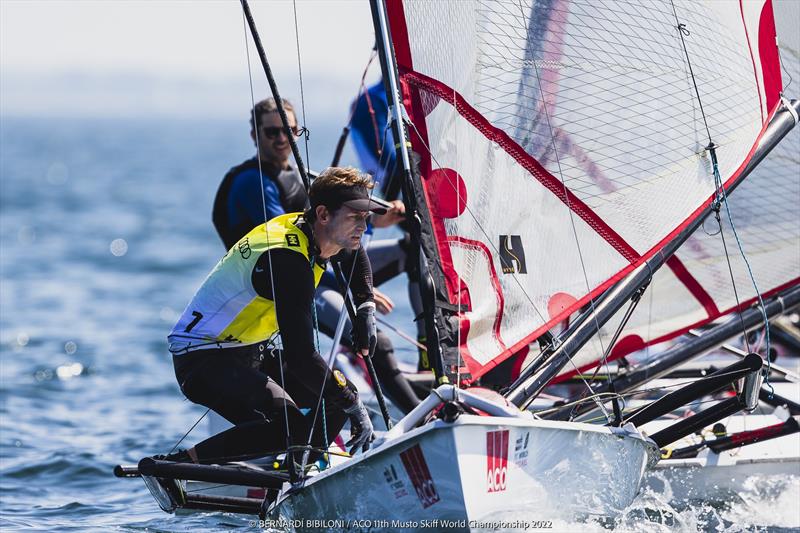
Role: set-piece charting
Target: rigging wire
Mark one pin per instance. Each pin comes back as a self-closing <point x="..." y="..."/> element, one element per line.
<point x="649" y="323"/>
<point x="637" y="297"/>
<point x="275" y="92"/>
<point x="204" y="488"/>
<point x="346" y="130"/>
<point x="721" y="197"/>
<point x="189" y="431"/>
<point x="488" y="239"/>
<point x="684" y="31"/>
<point x="604" y="360"/>
<point x="402" y="334"/>
<point x="453" y="62"/>
<point x="329" y="363"/>
<point x="373" y="118"/>
<point x="320" y="400"/>
<point x="337" y="335"/>
<point x="370" y="108"/>
<point x="752" y="279"/>
<point x="730" y="272"/>
<point x="264" y="210"/>
<point x="784" y="70"/>
<point x="273" y="453"/>
<point x="305" y="131"/>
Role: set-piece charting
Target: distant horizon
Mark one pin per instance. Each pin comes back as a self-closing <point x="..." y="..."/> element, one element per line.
<point x="132" y="93"/>
<point x="178" y="59"/>
<point x="230" y="130"/>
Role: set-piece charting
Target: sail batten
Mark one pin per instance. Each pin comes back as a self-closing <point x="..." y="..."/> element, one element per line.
<point x="562" y="144"/>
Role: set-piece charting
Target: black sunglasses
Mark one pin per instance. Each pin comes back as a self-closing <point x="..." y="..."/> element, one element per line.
<point x="273" y="131"/>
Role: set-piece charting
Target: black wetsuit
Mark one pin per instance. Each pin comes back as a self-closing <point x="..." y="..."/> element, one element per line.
<point x="238" y="208"/>
<point x="244" y="384"/>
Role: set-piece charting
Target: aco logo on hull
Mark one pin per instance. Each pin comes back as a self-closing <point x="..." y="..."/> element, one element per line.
<point x="496" y="460"/>
<point x="420" y="475"/>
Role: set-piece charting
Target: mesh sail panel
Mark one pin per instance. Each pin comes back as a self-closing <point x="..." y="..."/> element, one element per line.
<point x="562" y="142"/>
<point x="696" y="286"/>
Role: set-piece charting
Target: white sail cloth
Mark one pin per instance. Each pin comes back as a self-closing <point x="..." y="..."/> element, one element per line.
<point x="696" y="286"/>
<point x="563" y="142"/>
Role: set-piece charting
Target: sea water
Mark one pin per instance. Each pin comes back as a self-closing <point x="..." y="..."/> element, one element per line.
<point x="105" y="233"/>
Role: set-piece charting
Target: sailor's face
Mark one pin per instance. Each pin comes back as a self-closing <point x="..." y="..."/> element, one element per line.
<point x="275" y="147"/>
<point x="347" y="226"/>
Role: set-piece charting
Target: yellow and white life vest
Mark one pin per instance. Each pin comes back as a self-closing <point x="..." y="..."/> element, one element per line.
<point x="226" y="310"/>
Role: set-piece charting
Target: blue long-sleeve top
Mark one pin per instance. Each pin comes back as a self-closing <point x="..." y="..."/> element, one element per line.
<point x="244" y="200"/>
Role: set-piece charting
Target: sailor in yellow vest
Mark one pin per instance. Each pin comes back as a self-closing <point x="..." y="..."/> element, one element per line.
<point x="222" y="345"/>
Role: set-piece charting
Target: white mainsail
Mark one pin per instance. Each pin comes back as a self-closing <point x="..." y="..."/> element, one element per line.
<point x="563" y="143"/>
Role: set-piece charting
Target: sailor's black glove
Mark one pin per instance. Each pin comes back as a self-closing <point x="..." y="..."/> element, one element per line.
<point x="361" y="431"/>
<point x="365" y="332"/>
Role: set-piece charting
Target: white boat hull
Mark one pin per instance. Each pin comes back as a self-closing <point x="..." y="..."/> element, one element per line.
<point x="473" y="469"/>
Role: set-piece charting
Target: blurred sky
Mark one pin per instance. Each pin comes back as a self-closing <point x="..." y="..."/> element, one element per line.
<point x="131" y="58"/>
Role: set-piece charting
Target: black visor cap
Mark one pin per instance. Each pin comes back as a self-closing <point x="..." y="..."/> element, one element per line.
<point x="357" y="198"/>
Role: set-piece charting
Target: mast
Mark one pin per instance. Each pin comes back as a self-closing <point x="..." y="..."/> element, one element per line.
<point x="417" y="258"/>
<point x="301" y="168"/>
<point x="531" y="382"/>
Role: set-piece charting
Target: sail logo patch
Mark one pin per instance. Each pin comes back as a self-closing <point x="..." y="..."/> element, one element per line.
<point x="512" y="255"/>
<point x="496" y="460"/>
<point x="420" y="475"/>
<point x="292" y="240"/>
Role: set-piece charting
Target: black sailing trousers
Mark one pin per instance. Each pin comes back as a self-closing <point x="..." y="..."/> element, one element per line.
<point x="243" y="385"/>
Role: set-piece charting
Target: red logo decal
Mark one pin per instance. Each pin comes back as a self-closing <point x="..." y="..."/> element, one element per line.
<point x="417" y="470"/>
<point x="496" y="460"/>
